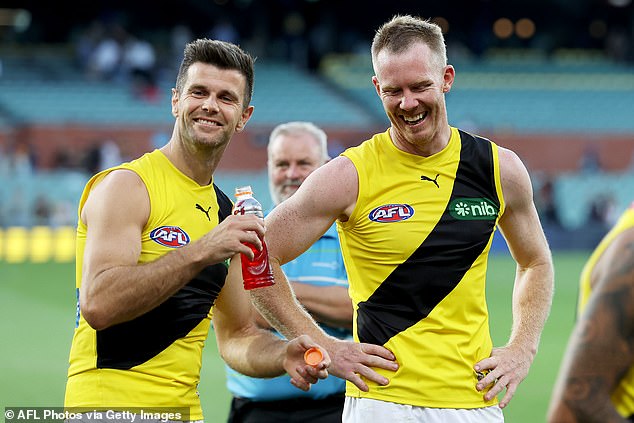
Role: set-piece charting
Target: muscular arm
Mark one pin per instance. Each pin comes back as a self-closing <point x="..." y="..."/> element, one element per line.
<point x="253" y="352"/>
<point x="115" y="288"/>
<point x="326" y="304"/>
<point x="601" y="348"/>
<point x="296" y="224"/>
<point x="292" y="227"/>
<point x="248" y="349"/>
<point x="533" y="289"/>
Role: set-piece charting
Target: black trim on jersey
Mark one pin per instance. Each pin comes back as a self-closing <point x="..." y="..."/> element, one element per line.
<point x="224" y="204"/>
<point x="131" y="343"/>
<point x="417" y="285"/>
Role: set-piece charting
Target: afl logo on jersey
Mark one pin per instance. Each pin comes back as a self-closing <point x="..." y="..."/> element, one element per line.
<point x="170" y="236"/>
<point x="389" y="213"/>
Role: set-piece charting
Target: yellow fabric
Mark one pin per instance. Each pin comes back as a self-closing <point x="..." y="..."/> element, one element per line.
<point x="623" y="395"/>
<point x="169" y="377"/>
<point x="436" y="354"/>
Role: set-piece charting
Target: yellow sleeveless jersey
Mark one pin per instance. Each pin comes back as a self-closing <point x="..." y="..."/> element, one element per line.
<point x="623" y="395"/>
<point x="415" y="249"/>
<point x="155" y="359"/>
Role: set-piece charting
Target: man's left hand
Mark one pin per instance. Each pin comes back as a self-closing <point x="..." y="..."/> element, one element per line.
<point x="507" y="367"/>
<point x="302" y="374"/>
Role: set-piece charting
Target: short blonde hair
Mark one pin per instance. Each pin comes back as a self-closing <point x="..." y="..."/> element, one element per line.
<point x="398" y="34"/>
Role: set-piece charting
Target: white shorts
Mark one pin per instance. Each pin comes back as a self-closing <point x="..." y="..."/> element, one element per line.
<point x="366" y="410"/>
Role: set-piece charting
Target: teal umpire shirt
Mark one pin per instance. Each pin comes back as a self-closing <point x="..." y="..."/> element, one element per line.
<point x="321" y="265"/>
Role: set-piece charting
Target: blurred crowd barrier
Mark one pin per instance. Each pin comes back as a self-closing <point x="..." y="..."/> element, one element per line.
<point x="38" y="211"/>
<point x="38" y="244"/>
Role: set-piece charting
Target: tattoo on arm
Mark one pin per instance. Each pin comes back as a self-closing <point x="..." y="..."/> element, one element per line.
<point x="603" y="349"/>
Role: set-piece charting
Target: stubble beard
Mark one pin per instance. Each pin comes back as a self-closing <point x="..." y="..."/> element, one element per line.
<point x="205" y="141"/>
<point x="279" y="193"/>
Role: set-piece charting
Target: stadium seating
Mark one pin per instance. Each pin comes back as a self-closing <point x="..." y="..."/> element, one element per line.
<point x="576" y="192"/>
<point x="37" y="89"/>
<point x="506" y="90"/>
<point x="523" y="93"/>
<point x="284" y="94"/>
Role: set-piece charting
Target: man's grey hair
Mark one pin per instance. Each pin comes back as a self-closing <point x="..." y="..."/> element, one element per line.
<point x="299" y="128"/>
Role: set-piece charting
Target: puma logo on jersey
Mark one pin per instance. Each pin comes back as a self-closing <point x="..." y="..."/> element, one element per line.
<point x="199" y="207"/>
<point x="427" y="178"/>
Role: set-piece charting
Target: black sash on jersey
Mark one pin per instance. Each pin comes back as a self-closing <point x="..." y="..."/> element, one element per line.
<point x="417" y="285"/>
<point x="131" y="343"/>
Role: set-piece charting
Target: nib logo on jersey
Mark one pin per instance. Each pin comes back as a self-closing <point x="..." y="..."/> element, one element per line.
<point x="473" y="209"/>
<point x="170" y="236"/>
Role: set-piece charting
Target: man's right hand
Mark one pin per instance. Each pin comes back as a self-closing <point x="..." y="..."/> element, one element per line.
<point x="355" y="361"/>
<point x="228" y="238"/>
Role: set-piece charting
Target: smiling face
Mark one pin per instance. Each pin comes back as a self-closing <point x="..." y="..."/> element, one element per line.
<point x="412" y="86"/>
<point x="210" y="109"/>
<point x="292" y="157"/>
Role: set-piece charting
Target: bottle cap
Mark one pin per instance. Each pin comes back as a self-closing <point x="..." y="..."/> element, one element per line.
<point x="313" y="356"/>
<point x="245" y="190"/>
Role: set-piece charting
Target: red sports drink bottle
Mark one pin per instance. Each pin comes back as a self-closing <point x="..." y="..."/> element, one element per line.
<point x="256" y="273"/>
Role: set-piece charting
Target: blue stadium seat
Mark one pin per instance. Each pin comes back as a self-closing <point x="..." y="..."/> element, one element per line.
<point x="518" y="91"/>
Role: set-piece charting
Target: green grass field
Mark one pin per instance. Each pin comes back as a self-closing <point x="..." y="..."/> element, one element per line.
<point x="38" y="309"/>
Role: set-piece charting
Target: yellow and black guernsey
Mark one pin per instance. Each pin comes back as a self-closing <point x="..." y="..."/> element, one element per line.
<point x="623" y="395"/>
<point x="415" y="249"/>
<point x="155" y="359"/>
